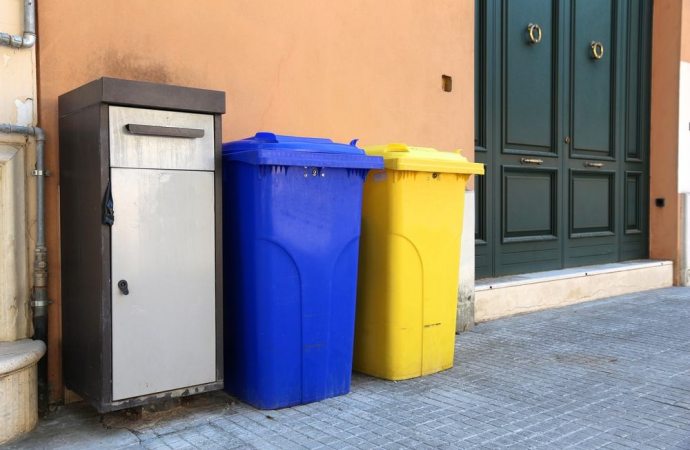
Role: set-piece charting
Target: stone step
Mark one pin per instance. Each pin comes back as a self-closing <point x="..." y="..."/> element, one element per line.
<point x="516" y="294"/>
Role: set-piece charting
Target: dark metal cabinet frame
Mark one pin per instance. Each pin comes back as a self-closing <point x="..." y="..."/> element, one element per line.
<point x="85" y="240"/>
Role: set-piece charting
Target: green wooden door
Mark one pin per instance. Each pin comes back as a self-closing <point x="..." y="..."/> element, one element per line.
<point x="561" y="86"/>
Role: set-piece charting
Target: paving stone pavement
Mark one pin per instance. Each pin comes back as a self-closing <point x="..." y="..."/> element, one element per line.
<point x="613" y="373"/>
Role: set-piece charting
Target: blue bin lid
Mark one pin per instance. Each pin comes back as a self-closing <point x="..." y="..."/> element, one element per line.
<point x="274" y="149"/>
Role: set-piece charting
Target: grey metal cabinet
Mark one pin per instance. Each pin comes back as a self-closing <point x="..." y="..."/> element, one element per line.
<point x="140" y="203"/>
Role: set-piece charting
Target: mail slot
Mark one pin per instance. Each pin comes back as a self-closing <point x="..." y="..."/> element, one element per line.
<point x="157" y="139"/>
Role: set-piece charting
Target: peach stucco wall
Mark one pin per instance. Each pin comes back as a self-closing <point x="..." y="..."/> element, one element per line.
<point x="368" y="69"/>
<point x="685" y="40"/>
<point x="666" y="42"/>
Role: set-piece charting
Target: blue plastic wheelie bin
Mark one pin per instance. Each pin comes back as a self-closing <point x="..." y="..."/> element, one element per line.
<point x="291" y="225"/>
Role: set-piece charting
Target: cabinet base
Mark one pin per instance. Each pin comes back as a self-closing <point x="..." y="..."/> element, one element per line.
<point x="153" y="398"/>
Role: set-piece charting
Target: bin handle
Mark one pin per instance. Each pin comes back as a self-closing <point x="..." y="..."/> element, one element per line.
<point x="397" y="148"/>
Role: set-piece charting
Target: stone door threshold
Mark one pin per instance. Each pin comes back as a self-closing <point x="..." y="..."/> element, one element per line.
<point x="515" y="294"/>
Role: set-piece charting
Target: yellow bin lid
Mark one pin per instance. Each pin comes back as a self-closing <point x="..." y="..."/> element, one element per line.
<point x="423" y="159"/>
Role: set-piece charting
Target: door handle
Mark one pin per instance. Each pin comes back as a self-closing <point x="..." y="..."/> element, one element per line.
<point x="594" y="165"/>
<point x="534" y="161"/>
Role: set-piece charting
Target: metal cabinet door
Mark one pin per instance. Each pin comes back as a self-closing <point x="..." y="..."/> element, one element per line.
<point x="163" y="331"/>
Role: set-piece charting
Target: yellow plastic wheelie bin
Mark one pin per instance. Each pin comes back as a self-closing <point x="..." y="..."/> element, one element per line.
<point x="409" y="260"/>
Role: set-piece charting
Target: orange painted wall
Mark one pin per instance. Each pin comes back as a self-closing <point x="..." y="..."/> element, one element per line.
<point x="685" y="36"/>
<point x="368" y="69"/>
<point x="666" y="47"/>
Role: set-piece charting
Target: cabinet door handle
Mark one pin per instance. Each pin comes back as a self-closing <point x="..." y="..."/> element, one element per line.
<point x="123" y="286"/>
<point x="153" y="130"/>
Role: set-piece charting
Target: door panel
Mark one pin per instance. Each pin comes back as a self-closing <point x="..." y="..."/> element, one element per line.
<point x="529" y="219"/>
<point x="479" y="222"/>
<point x="592" y="203"/>
<point x="523" y="189"/>
<point x="592" y="87"/>
<point x="633" y="202"/>
<point x="528" y="76"/>
<point x="593" y="162"/>
<point x="527" y="204"/>
<point x="634" y="101"/>
<point x="163" y="333"/>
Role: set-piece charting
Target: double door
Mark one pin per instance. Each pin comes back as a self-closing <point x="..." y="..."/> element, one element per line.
<point x="561" y="105"/>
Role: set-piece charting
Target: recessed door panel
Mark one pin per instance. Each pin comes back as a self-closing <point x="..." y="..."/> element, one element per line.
<point x="528" y="75"/>
<point x="479" y="205"/>
<point x="592" y="85"/>
<point x="592" y="204"/>
<point x="633" y="202"/>
<point x="529" y="204"/>
<point x="635" y="85"/>
<point x="163" y="247"/>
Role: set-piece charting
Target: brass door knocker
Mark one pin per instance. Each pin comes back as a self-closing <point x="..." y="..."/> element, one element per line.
<point x="597" y="49"/>
<point x="534" y="32"/>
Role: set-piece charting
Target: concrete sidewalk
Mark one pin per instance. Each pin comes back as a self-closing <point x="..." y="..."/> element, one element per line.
<point x="613" y="373"/>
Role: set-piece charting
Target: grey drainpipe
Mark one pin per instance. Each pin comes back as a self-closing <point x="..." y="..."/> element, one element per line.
<point x="28" y="39"/>
<point x="40" y="271"/>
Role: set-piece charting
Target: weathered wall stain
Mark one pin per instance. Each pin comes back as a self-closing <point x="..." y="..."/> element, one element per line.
<point x="132" y="66"/>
